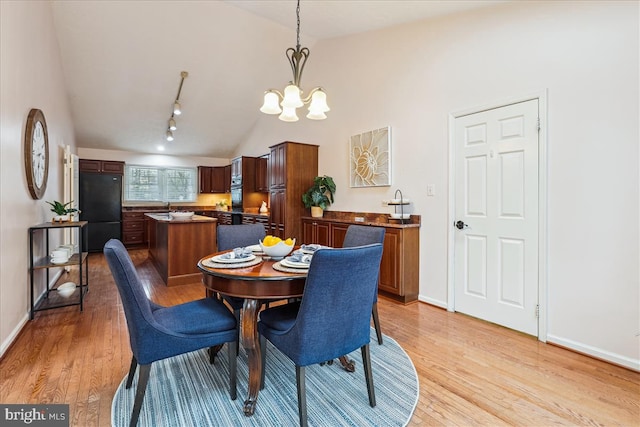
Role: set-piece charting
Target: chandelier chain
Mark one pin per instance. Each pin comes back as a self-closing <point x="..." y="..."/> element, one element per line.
<point x="298" y="30"/>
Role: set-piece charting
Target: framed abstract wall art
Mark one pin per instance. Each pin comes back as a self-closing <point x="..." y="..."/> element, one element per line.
<point x="370" y="158"/>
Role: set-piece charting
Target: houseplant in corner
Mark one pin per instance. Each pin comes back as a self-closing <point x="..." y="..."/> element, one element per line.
<point x="61" y="210"/>
<point x="319" y="195"/>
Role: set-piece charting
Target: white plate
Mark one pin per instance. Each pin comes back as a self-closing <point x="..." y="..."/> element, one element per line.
<point x="294" y="264"/>
<point x="254" y="248"/>
<point x="218" y="258"/>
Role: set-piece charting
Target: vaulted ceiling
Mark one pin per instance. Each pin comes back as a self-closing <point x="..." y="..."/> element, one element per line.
<point x="122" y="62"/>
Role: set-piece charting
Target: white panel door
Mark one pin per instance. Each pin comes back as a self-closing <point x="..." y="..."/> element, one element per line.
<point x="496" y="211"/>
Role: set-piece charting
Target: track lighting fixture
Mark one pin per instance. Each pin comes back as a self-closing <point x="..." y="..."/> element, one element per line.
<point x="177" y="110"/>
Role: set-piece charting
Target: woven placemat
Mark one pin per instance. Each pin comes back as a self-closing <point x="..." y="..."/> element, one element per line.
<point x="211" y="264"/>
<point x="279" y="267"/>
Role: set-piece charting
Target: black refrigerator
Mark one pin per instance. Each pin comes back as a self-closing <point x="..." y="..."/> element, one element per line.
<point x="101" y="204"/>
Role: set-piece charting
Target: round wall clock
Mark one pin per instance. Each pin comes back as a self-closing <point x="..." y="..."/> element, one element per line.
<point x="36" y="153"/>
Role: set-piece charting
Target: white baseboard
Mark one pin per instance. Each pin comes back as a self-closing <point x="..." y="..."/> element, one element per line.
<point x="432" y="301"/>
<point x="12" y="336"/>
<point x="14" y="333"/>
<point x="617" y="359"/>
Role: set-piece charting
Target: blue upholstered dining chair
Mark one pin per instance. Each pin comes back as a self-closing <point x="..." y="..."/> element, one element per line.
<point x="331" y="319"/>
<point x="360" y="235"/>
<point x="237" y="236"/>
<point x="157" y="332"/>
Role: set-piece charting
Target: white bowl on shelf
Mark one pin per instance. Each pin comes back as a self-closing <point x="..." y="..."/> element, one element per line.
<point x="67" y="289"/>
<point x="400" y="216"/>
<point x="181" y="216"/>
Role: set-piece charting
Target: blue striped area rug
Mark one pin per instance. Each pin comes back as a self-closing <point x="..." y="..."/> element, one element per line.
<point x="187" y="391"/>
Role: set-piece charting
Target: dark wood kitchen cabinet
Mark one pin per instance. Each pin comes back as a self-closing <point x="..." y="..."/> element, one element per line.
<point x="217" y="184"/>
<point x="262" y="177"/>
<point x="204" y="178"/>
<point x="243" y="171"/>
<point x="315" y="232"/>
<point x="292" y="167"/>
<point x="101" y="166"/>
<point x="212" y="179"/>
<point x="134" y="229"/>
<point x="399" y="270"/>
<point x="227" y="179"/>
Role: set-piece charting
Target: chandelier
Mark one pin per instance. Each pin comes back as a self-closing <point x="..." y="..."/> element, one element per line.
<point x="292" y="98"/>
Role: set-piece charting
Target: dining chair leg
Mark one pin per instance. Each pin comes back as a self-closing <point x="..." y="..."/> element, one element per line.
<point x="132" y="372"/>
<point x="263" y="357"/>
<point x="368" y="375"/>
<point x="143" y="378"/>
<point x="237" y="314"/>
<point x="376" y="322"/>
<point x="302" y="395"/>
<point x="233" y="368"/>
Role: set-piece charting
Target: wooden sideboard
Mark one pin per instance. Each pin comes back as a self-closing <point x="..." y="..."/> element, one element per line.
<point x="399" y="269"/>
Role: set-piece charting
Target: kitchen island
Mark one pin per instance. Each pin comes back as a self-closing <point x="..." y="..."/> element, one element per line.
<point x="176" y="246"/>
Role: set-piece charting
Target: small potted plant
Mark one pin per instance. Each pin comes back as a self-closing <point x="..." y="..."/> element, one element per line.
<point x="221" y="205"/>
<point x="62" y="211"/>
<point x="319" y="195"/>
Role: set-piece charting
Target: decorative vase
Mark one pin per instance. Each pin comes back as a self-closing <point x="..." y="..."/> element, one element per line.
<point x="61" y="218"/>
<point x="316" y="211"/>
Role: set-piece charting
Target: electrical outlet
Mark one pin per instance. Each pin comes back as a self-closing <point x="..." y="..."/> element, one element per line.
<point x="385" y="203"/>
<point x="359" y="219"/>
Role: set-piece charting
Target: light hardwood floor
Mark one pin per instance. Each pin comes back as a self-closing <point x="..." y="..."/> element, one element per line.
<point x="470" y="372"/>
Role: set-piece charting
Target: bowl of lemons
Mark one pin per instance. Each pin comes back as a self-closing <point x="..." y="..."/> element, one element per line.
<point x="275" y="247"/>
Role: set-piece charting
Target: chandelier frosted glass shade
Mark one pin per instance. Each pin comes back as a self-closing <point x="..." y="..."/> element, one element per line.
<point x="318" y="105"/>
<point x="271" y="103"/>
<point x="288" y="115"/>
<point x="177" y="110"/>
<point x="292" y="97"/>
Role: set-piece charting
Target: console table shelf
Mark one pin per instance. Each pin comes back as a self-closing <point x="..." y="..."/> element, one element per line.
<point x="49" y="299"/>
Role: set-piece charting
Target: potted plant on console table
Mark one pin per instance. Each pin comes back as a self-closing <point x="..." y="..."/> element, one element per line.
<point x="62" y="211"/>
<point x="319" y="195"/>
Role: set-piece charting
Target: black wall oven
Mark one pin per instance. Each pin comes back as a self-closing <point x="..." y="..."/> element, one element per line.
<point x="236" y="199"/>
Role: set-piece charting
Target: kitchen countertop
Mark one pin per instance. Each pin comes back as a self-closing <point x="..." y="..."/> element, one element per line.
<point x="164" y="217"/>
<point x="160" y="209"/>
<point x="368" y="218"/>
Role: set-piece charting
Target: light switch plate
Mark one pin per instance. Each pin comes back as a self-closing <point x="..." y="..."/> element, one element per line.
<point x="431" y="189"/>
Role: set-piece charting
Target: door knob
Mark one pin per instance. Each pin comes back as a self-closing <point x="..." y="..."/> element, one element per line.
<point x="460" y="225"/>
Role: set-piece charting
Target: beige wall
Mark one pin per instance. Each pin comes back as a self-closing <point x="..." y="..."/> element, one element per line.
<point x="412" y="77"/>
<point x="30" y="77"/>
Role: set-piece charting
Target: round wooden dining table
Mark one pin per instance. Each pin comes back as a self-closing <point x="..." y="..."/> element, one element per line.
<point x="255" y="283"/>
